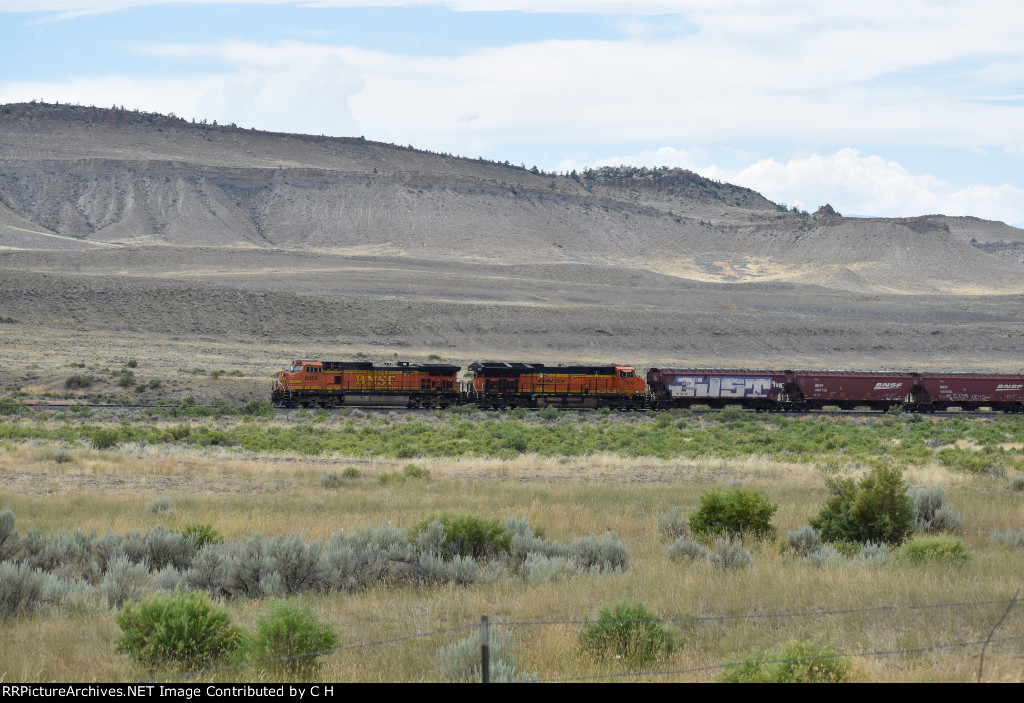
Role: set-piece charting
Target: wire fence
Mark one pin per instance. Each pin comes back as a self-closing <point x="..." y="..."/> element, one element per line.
<point x="485" y="626"/>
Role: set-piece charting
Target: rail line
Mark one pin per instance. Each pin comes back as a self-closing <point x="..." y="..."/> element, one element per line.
<point x="419" y="411"/>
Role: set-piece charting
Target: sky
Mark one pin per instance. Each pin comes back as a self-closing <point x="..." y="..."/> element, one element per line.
<point x="895" y="108"/>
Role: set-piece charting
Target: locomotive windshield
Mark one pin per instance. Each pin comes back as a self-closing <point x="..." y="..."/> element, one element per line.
<point x="295" y="368"/>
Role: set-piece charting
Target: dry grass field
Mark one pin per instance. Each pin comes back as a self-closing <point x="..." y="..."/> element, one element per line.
<point x="52" y="486"/>
<point x="146" y="261"/>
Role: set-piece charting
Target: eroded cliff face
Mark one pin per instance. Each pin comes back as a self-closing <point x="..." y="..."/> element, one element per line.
<point x="73" y="176"/>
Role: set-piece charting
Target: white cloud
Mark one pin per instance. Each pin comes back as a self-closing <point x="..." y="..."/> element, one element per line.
<point x="837" y="73"/>
<point x="870" y="185"/>
<point x="746" y="71"/>
<point x="851" y="183"/>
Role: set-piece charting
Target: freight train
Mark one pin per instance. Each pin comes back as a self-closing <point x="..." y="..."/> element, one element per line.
<point x="499" y="384"/>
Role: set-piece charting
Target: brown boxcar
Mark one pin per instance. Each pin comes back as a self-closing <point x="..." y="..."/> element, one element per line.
<point x="331" y="383"/>
<point x="848" y="389"/>
<point x="500" y="384"/>
<point x="939" y="391"/>
<point x="682" y="388"/>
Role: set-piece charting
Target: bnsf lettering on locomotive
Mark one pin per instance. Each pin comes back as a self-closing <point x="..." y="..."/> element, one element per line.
<point x="720" y="386"/>
<point x="888" y="386"/>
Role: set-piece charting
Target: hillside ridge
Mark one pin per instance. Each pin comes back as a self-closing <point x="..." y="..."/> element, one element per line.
<point x="74" y="177"/>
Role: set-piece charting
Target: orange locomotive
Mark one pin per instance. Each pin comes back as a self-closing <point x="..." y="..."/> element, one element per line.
<point x="329" y="384"/>
<point x="499" y="384"/>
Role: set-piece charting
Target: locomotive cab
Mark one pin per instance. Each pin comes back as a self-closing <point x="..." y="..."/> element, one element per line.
<point x="629" y="382"/>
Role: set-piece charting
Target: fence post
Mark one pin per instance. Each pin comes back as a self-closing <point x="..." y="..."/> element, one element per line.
<point x="485" y="651"/>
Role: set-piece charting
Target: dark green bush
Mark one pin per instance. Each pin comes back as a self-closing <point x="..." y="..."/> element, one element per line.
<point x="548" y="413"/>
<point x="9" y="406"/>
<point x="630" y="631"/>
<point x="258" y="408"/>
<point x="797" y="662"/>
<point x="77" y="382"/>
<point x="877" y="509"/>
<point x="734" y="511"/>
<point x="104" y="438"/>
<point x="184" y="629"/>
<point x="291" y="631"/>
<point x="469" y="535"/>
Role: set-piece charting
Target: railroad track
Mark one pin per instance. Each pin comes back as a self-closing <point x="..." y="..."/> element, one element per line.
<point x="284" y="411"/>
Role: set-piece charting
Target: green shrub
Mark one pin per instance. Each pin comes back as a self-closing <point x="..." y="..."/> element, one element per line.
<point x="351" y="472"/>
<point x="203" y="534"/>
<point x="410" y="471"/>
<point x="548" y="413"/>
<point x="413" y="471"/>
<point x="127" y="379"/>
<point x="154" y="383"/>
<point x="9" y="406"/>
<point x="630" y="631"/>
<point x="946" y="549"/>
<point x="77" y="382"/>
<point x="877" y="509"/>
<point x="734" y="511"/>
<point x="469" y="535"/>
<point x="292" y="631"/>
<point x="132" y="364"/>
<point x="732" y="414"/>
<point x="184" y="629"/>
<point x="104" y="438"/>
<point x="258" y="408"/>
<point x="796" y="662"/>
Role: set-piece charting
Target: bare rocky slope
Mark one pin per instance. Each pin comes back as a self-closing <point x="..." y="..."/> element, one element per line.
<point x="146" y="225"/>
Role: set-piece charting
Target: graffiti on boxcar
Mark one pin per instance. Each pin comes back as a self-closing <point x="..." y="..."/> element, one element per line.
<point x="720" y="386"/>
